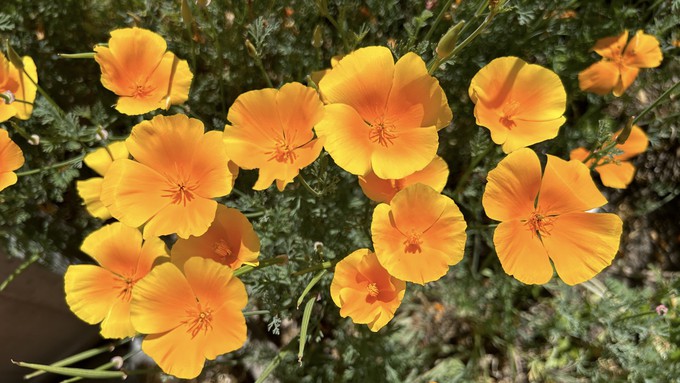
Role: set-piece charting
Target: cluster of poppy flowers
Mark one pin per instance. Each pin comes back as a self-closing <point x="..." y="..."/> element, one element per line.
<point x="379" y="120"/>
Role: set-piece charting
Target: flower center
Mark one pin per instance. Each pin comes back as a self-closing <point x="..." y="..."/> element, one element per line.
<point x="283" y="153"/>
<point x="540" y="224"/>
<point x="125" y="293"/>
<point x="381" y="132"/>
<point x="509" y="110"/>
<point x="413" y="242"/>
<point x="221" y="249"/>
<point x="180" y="192"/>
<point x="141" y="91"/>
<point x="372" y="289"/>
<point x="198" y="320"/>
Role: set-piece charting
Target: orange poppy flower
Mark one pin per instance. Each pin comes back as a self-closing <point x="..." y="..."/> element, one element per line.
<point x="230" y="240"/>
<point x="619" y="172"/>
<point x="272" y="132"/>
<point x="543" y="218"/>
<point x="419" y="234"/>
<point x="619" y="67"/>
<point x="170" y="185"/>
<point x="521" y="104"/>
<point x="434" y="175"/>
<point x="102" y="293"/>
<point x="15" y="84"/>
<point x="11" y="158"/>
<point x="382" y="116"/>
<point x="90" y="190"/>
<point x="137" y="67"/>
<point x="191" y="314"/>
<point x="364" y="291"/>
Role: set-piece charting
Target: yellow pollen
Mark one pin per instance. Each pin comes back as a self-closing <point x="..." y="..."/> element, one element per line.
<point x="373" y="289"/>
<point x="413" y="242"/>
<point x="198" y="320"/>
<point x="381" y="133"/>
<point x="509" y="111"/>
<point x="221" y="249"/>
<point x="540" y="224"/>
<point x="283" y="153"/>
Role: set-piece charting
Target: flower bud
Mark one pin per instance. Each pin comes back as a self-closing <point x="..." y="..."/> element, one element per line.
<point x="251" y="49"/>
<point x="449" y="40"/>
<point x="34" y="140"/>
<point x="7" y="96"/>
<point x="625" y="133"/>
<point x="317" y="36"/>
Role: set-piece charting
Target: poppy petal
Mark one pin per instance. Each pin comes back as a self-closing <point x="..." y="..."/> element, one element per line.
<point x="636" y="143"/>
<point x="611" y="47"/>
<point x="521" y="253"/>
<point x="176" y="352"/>
<point x="91" y="291"/>
<point x="582" y="244"/>
<point x="599" y="78"/>
<point x="411" y="151"/>
<point x="342" y="125"/>
<point x="26" y="90"/>
<point x="530" y="132"/>
<point x="512" y="186"/>
<point x="101" y="159"/>
<point x="115" y="247"/>
<point x="192" y="218"/>
<point x="568" y="186"/>
<point x="616" y="176"/>
<point x="117" y="323"/>
<point x="643" y="51"/>
<point x="628" y="75"/>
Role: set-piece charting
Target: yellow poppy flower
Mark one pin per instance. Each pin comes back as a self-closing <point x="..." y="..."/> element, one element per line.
<point x="102" y="293"/>
<point x="11" y="158"/>
<point x="619" y="67"/>
<point x="521" y="104"/>
<point x="272" y="132"/>
<point x="190" y="314"/>
<point x="170" y="186"/>
<point x="382" y="116"/>
<point x="619" y="173"/>
<point x="434" y="175"/>
<point x="137" y="67"/>
<point x="90" y="190"/>
<point x="543" y="218"/>
<point x="419" y="234"/>
<point x="365" y="291"/>
<point x="15" y="84"/>
<point x="230" y="240"/>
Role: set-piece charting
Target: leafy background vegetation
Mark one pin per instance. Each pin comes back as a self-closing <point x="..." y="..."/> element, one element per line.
<point x="476" y="323"/>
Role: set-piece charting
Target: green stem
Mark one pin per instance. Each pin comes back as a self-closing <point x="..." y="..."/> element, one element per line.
<point x="309" y="188"/>
<point x="468" y="172"/>
<point x="320" y="266"/>
<point x="108" y="365"/>
<point x="341" y="31"/>
<point x="44" y="94"/>
<point x="258" y="63"/>
<point x="86" y="55"/>
<point x="656" y="102"/>
<point x="437" y="20"/>
<point x="80" y="356"/>
<point x="18" y="271"/>
<point x="278" y="260"/>
<point x="635" y="316"/>
<point x="437" y="61"/>
<point x="255" y="312"/>
<point x="57" y="165"/>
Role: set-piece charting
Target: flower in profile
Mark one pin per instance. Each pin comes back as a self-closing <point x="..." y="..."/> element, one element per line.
<point x="619" y="67"/>
<point x="382" y="116"/>
<point x="11" y="159"/>
<point x="190" y="314"/>
<point x="543" y="218"/>
<point x="419" y="234"/>
<point x="170" y="185"/>
<point x="365" y="291"/>
<point x="90" y="190"/>
<point x="17" y="89"/>
<point x="230" y="240"/>
<point x="521" y="104"/>
<point x="272" y="131"/>
<point x="434" y="175"/>
<point x="102" y="293"/>
<point x="618" y="172"/>
<point x="138" y="68"/>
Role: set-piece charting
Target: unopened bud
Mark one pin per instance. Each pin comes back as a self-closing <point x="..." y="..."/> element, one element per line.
<point x="317" y="36"/>
<point x="625" y="133"/>
<point x="7" y="96"/>
<point x="117" y="362"/>
<point x="318" y="246"/>
<point x="229" y="17"/>
<point x="34" y="140"/>
<point x="102" y="134"/>
<point x="449" y="40"/>
<point x="187" y="17"/>
<point x="251" y="49"/>
<point x="203" y="3"/>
